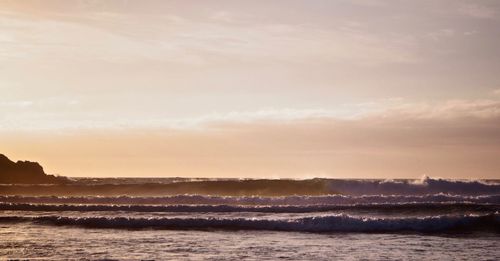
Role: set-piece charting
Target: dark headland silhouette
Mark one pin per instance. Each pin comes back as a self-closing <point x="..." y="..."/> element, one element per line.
<point x="25" y="172"/>
<point x="15" y="175"/>
<point x="29" y="179"/>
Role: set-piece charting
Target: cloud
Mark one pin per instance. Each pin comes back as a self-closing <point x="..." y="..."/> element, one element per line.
<point x="394" y="138"/>
<point x="121" y="37"/>
<point x="20" y="104"/>
<point x="452" y="109"/>
<point x="445" y="140"/>
<point x="70" y="117"/>
<point x="395" y="109"/>
<point x="476" y="11"/>
<point x="441" y="34"/>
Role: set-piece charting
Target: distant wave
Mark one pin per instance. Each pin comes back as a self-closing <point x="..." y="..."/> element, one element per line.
<point x="265" y="209"/>
<point x="426" y="185"/>
<point x="261" y="187"/>
<point x="256" y="200"/>
<point x="331" y="223"/>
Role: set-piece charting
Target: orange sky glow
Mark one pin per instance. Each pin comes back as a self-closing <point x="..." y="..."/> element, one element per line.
<point x="252" y="89"/>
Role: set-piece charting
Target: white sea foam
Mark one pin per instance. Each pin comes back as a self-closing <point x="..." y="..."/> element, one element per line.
<point x="425" y="185"/>
<point x="330" y="223"/>
<point x="257" y="200"/>
<point x="416" y="207"/>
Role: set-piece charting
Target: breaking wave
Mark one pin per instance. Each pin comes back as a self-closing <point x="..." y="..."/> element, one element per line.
<point x="257" y="200"/>
<point x="260" y="187"/>
<point x="264" y="209"/>
<point x="330" y="223"/>
<point x="426" y="185"/>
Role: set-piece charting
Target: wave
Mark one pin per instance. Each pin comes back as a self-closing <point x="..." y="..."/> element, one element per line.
<point x="261" y="187"/>
<point x="426" y="185"/>
<point x="331" y="223"/>
<point x="256" y="200"/>
<point x="264" y="209"/>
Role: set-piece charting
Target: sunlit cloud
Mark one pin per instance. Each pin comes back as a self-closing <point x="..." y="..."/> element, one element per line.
<point x="477" y="10"/>
<point x="455" y="138"/>
<point x="118" y="38"/>
<point x="394" y="108"/>
<point x="321" y="87"/>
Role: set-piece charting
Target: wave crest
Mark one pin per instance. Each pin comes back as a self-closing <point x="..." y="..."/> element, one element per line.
<point x="256" y="200"/>
<point x="260" y="187"/>
<point x="420" y="207"/>
<point x="331" y="223"/>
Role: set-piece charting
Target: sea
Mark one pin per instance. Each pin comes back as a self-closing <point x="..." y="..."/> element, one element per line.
<point x="231" y="219"/>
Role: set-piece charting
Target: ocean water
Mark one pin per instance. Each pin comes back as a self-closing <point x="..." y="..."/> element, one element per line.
<point x="429" y="219"/>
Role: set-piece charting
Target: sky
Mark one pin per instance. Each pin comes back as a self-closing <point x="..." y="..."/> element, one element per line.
<point x="252" y="89"/>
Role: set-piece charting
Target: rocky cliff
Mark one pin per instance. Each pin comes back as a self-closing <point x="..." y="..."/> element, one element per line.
<point x="25" y="172"/>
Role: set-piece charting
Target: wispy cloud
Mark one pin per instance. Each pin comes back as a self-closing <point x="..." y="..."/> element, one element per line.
<point x="21" y="104"/>
<point x="451" y="139"/>
<point x="118" y="37"/>
<point x="452" y="109"/>
<point x="476" y="10"/>
<point x="385" y="110"/>
<point x="252" y="88"/>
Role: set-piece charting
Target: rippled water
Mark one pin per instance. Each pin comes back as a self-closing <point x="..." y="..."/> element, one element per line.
<point x="29" y="241"/>
<point x="429" y="222"/>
